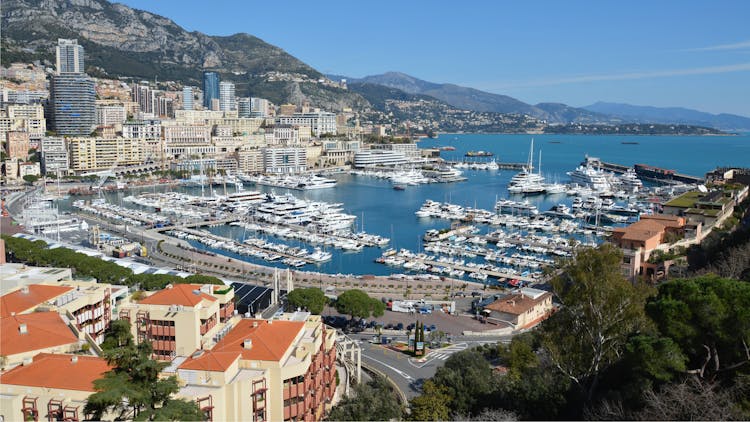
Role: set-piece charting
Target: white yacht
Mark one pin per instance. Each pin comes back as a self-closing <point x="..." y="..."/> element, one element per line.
<point x="630" y="181"/>
<point x="320" y="255"/>
<point x="526" y="182"/>
<point x="588" y="176"/>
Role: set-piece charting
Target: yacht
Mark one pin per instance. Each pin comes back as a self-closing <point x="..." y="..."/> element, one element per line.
<point x="515" y="207"/>
<point x="560" y="211"/>
<point x="630" y="181"/>
<point x="320" y="255"/>
<point x="585" y="175"/>
<point x="526" y="182"/>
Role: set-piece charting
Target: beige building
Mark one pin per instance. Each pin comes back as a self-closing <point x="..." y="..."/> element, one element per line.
<point x="24" y="336"/>
<point x="522" y="309"/>
<point x="181" y="318"/>
<point x="92" y="154"/>
<point x="24" y="118"/>
<point x="49" y="387"/>
<point x="17" y="145"/>
<point x="265" y="370"/>
<point x="249" y="160"/>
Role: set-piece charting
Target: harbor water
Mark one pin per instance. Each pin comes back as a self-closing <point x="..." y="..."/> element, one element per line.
<point x="387" y="212"/>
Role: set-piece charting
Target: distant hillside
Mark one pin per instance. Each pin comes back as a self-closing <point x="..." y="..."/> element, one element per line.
<point x="129" y="42"/>
<point x="481" y="101"/>
<point x="647" y="114"/>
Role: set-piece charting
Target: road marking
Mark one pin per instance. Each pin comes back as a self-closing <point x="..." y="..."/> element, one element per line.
<point x="398" y="371"/>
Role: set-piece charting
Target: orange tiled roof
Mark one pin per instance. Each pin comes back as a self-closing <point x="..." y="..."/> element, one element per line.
<point x="270" y="341"/>
<point x="179" y="294"/>
<point x="516" y="303"/>
<point x="58" y="371"/>
<point x="44" y="330"/>
<point x="643" y="230"/>
<point x="211" y="361"/>
<point x="19" y="301"/>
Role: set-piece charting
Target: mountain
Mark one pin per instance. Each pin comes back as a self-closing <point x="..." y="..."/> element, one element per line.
<point x="558" y="112"/>
<point x="122" y="41"/>
<point x="647" y="114"/>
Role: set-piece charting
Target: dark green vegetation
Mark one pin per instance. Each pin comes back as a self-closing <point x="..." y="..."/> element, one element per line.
<point x="631" y="129"/>
<point x="357" y="304"/>
<point x="36" y="253"/>
<point x="311" y="299"/>
<point x="133" y="389"/>
<point x="614" y="350"/>
<point x="645" y="114"/>
<point x="372" y="401"/>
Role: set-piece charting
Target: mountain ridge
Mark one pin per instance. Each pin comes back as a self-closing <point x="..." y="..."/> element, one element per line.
<point x="677" y="115"/>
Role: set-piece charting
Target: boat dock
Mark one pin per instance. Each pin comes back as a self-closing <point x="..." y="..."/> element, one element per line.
<point x="645" y="172"/>
<point x="496" y="274"/>
<point x="501" y="166"/>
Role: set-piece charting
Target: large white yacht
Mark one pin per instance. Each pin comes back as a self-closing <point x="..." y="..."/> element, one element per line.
<point x="526" y="182"/>
<point x="630" y="181"/>
<point x="588" y="176"/>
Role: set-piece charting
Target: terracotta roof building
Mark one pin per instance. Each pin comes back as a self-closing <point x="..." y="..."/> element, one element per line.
<point x="522" y="309"/>
<point x="25" y="335"/>
<point x="283" y="369"/>
<point x="51" y="386"/>
<point x="181" y="318"/>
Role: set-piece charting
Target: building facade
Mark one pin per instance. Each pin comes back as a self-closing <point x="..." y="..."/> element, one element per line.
<point x="72" y="106"/>
<point x="320" y="122"/>
<point x="227" y="101"/>
<point x="210" y="88"/>
<point x="93" y="154"/>
<point x="284" y="160"/>
<point x="187" y="98"/>
<point x="69" y="57"/>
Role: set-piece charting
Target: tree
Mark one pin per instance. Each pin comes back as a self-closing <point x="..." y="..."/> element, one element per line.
<point x="312" y="299"/>
<point x="469" y="381"/>
<point x="31" y="178"/>
<point x="373" y="401"/>
<point x="600" y="309"/>
<point x="432" y="404"/>
<point x="357" y="303"/>
<point x="133" y="388"/>
<point x="709" y="318"/>
<point x="117" y="335"/>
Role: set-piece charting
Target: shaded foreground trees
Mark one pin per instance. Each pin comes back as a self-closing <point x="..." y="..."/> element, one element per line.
<point x="132" y="389"/>
<point x="615" y="350"/>
<point x="312" y="298"/>
<point x="357" y="304"/>
<point x="372" y="401"/>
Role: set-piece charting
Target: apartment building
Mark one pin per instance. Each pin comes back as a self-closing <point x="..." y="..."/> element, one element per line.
<point x="17" y="145"/>
<point x="92" y="154"/>
<point x="249" y="160"/>
<point x="265" y="370"/>
<point x="183" y="141"/>
<point x="50" y="386"/>
<point x="54" y="155"/>
<point x="27" y="118"/>
<point x="284" y="160"/>
<point x="321" y="122"/>
<point x="180" y="318"/>
<point x="110" y="114"/>
<point x="142" y="129"/>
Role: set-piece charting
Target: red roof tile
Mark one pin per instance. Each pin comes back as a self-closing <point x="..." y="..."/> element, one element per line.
<point x="43" y="330"/>
<point x="20" y="301"/>
<point x="58" y="371"/>
<point x="270" y="341"/>
<point x="516" y="303"/>
<point x="211" y="361"/>
<point x="179" y="294"/>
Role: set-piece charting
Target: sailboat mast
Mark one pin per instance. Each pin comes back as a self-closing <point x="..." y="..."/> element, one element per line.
<point x="531" y="156"/>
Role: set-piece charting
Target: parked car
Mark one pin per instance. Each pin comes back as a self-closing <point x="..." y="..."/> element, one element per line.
<point x="399" y="326"/>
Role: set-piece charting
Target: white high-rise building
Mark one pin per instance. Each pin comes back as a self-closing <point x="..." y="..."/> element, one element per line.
<point x="187" y="98"/>
<point x="227" y="101"/>
<point x="69" y="56"/>
<point x="259" y="107"/>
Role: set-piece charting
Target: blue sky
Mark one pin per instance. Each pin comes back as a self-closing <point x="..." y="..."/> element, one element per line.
<point x="692" y="54"/>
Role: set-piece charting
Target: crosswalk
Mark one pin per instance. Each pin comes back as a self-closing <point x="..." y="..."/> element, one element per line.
<point x="444" y="354"/>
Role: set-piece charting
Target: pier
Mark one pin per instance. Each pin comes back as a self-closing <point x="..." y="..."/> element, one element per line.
<point x="501" y="166"/>
<point x="496" y="274"/>
<point x="645" y="172"/>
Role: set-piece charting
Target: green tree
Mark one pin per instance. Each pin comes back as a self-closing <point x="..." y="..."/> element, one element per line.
<point x="709" y="318"/>
<point x="117" y="335"/>
<point x="600" y="310"/>
<point x="432" y="404"/>
<point x="30" y="178"/>
<point x="312" y="299"/>
<point x="357" y="304"/>
<point x="469" y="381"/>
<point x="373" y="401"/>
<point x="133" y="388"/>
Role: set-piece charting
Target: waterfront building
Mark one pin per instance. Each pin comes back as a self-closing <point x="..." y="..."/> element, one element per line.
<point x="369" y="157"/>
<point x="320" y="122"/>
<point x="183" y="141"/>
<point x="227" y="101"/>
<point x="54" y="155"/>
<point x="187" y="98"/>
<point x="707" y="208"/>
<point x="210" y="88"/>
<point x="284" y="160"/>
<point x="93" y="154"/>
<point x="29" y="168"/>
<point x="17" y="145"/>
<point x="181" y="318"/>
<point x="409" y="149"/>
<point x="338" y="152"/>
<point x="72" y="106"/>
<point x="69" y="57"/>
<point x="50" y="386"/>
<point x="639" y="240"/>
<point x="521" y="309"/>
<point x="249" y="160"/>
<point x="283" y="369"/>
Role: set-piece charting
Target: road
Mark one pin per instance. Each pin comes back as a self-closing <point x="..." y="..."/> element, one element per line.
<point x="410" y="373"/>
